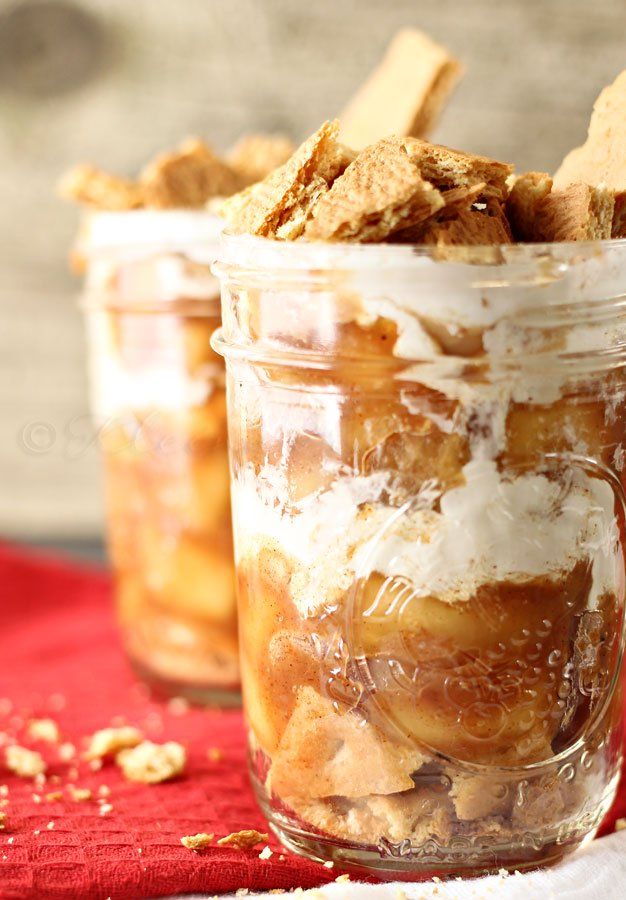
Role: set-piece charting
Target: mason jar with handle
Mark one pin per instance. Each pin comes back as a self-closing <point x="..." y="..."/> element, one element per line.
<point x="151" y="305"/>
<point x="427" y="464"/>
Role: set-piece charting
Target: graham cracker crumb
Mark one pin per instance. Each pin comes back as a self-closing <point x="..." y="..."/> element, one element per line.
<point x="197" y="841"/>
<point x="381" y="192"/>
<point x="50" y="826"/>
<point x="448" y="168"/>
<point x="601" y="160"/>
<point x="254" y="156"/>
<point x="265" y="853"/>
<point x="215" y="754"/>
<point x="67" y="752"/>
<point x="342" y="878"/>
<point x="23" y="762"/>
<point x="279" y="205"/>
<point x="243" y="840"/>
<point x="576" y="213"/>
<point x="90" y="186"/>
<point x="109" y="741"/>
<point x="620" y="825"/>
<point x="3" y="821"/>
<point x="329" y="864"/>
<point x="80" y="795"/>
<point x="54" y="795"/>
<point x="528" y="191"/>
<point x="43" y="730"/>
<point x="405" y="94"/>
<point x="150" y="763"/>
<point x="105" y="809"/>
<point x="178" y="706"/>
<point x="187" y="177"/>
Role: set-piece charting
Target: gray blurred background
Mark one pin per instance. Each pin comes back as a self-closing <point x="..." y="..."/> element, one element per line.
<point x="113" y="81"/>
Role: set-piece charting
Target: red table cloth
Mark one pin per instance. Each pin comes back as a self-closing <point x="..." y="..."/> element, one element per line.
<point x="60" y="658"/>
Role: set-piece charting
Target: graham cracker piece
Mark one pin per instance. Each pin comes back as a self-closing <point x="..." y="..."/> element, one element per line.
<point x="254" y="156"/>
<point x="187" y="177"/>
<point x="197" y="841"/>
<point x="448" y="168"/>
<point x="381" y="192"/>
<point x="601" y="160"/>
<point x="405" y="94"/>
<point x="108" y="741"/>
<point x="471" y="228"/>
<point x="577" y="213"/>
<point x="284" y="199"/>
<point x="244" y="840"/>
<point x="528" y="192"/>
<point x="324" y="753"/>
<point x="455" y="201"/>
<point x="150" y="763"/>
<point x="89" y="186"/>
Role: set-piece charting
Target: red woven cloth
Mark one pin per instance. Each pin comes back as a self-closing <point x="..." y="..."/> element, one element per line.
<point x="60" y="658"/>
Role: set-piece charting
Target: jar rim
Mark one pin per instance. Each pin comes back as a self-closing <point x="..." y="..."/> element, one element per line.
<point x="254" y="253"/>
<point x="136" y="232"/>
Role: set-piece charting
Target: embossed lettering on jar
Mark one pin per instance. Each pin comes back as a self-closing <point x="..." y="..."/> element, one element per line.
<point x="427" y="480"/>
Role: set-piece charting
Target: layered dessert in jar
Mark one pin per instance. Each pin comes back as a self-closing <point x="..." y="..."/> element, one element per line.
<point x="158" y="398"/>
<point x="427" y="401"/>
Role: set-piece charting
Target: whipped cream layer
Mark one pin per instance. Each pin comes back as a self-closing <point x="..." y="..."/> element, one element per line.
<point x="492" y="528"/>
<point x="152" y="372"/>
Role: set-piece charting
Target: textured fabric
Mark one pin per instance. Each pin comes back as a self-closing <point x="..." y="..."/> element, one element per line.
<point x="60" y="658"/>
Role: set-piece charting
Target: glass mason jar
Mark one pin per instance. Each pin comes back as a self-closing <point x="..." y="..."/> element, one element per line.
<point x="427" y="462"/>
<point x="159" y="405"/>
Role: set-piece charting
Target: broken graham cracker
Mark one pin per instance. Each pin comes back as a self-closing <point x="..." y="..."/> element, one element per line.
<point x="23" y="762"/>
<point x="109" y="741"/>
<point x="279" y="205"/>
<point x="89" y="186"/>
<point x="382" y="191"/>
<point x="528" y="191"/>
<point x="150" y="763"/>
<point x="187" y="177"/>
<point x="405" y="94"/>
<point x="254" y="156"/>
<point x="243" y="840"/>
<point x="576" y="213"/>
<point x="601" y="160"/>
<point x="447" y="168"/>
<point x="197" y="841"/>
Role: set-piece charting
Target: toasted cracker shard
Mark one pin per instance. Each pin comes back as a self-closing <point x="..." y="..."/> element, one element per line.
<point x="197" y="841"/>
<point x="90" y="186"/>
<point x="447" y="168"/>
<point x="528" y="192"/>
<point x="601" y="160"/>
<point x="243" y="840"/>
<point x="279" y="205"/>
<point x="577" y="213"/>
<point x="187" y="177"/>
<point x="254" y="156"/>
<point x="381" y="192"/>
<point x="111" y="740"/>
<point x="150" y="763"/>
<point x="470" y="228"/>
<point x="405" y="94"/>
